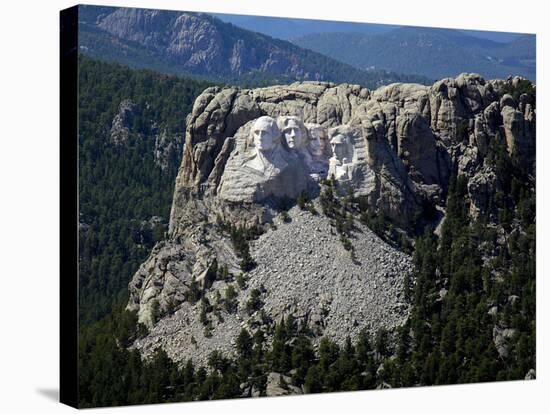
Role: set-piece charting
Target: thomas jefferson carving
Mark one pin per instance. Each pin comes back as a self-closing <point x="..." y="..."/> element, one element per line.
<point x="293" y="130"/>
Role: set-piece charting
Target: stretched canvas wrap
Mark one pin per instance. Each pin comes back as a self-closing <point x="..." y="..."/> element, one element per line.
<point x="261" y="206"/>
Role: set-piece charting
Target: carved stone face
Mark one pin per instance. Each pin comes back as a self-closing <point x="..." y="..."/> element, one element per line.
<point x="339" y="146"/>
<point x="315" y="146"/>
<point x="265" y="133"/>
<point x="315" y="143"/>
<point x="293" y="134"/>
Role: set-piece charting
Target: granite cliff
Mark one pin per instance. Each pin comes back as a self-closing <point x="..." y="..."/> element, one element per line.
<point x="266" y="215"/>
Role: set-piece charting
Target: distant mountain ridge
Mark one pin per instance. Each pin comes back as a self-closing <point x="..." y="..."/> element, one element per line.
<point x="290" y="28"/>
<point x="435" y="53"/>
<point x="203" y="46"/>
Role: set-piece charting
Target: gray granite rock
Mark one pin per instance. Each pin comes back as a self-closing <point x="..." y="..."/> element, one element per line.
<point x="501" y="338"/>
<point x="531" y="374"/>
<point x="395" y="147"/>
<point x="122" y="122"/>
<point x="278" y="384"/>
<point x="302" y="269"/>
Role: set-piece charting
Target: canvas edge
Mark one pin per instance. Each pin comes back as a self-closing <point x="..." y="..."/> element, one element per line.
<point x="68" y="167"/>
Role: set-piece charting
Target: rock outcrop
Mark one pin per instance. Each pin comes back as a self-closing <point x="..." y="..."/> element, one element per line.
<point x="125" y="129"/>
<point x="519" y="129"/>
<point x="279" y="384"/>
<point x="302" y="270"/>
<point x="123" y="121"/>
<point x="167" y="147"/>
<point x="251" y="153"/>
<point x="190" y="39"/>
<point x="201" y="44"/>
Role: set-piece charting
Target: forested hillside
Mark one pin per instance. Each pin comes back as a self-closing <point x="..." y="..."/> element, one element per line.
<point x="201" y="45"/>
<point x="121" y="186"/>
<point x="431" y="52"/>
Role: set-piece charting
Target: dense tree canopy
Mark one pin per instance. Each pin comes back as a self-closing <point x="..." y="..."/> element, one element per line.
<point x="121" y="186"/>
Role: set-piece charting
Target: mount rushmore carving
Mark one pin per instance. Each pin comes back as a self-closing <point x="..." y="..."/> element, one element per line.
<point x="282" y="157"/>
<point x="396" y="147"/>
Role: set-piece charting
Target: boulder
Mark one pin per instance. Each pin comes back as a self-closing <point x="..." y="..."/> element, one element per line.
<point x="531" y="374"/>
<point x="279" y="384"/>
<point x="501" y="338"/>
